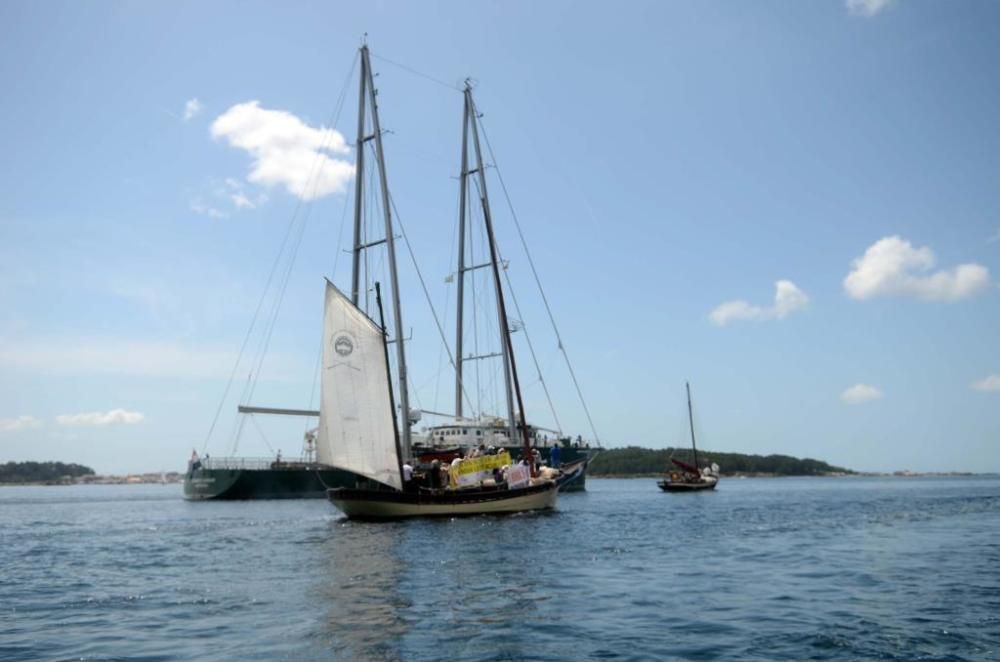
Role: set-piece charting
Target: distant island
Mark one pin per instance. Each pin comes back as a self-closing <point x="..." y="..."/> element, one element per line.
<point x="636" y="461"/>
<point x="46" y="473"/>
<point x="60" y="473"/>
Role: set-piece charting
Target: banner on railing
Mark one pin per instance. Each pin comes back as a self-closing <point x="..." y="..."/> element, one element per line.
<point x="475" y="470"/>
<point x="518" y="476"/>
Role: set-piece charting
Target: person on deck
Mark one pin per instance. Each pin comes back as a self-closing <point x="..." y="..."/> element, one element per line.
<point x="408" y="485"/>
<point x="554" y="456"/>
<point x="436" y="475"/>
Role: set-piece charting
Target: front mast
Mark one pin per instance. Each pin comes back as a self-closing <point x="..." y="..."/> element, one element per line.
<point x="368" y="85"/>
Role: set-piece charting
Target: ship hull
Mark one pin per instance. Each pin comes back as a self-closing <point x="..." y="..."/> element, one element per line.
<point x="283" y="483"/>
<point x="384" y="504"/>
<point x="674" y="486"/>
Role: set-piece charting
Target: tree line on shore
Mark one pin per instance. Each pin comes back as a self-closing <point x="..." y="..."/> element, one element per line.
<point x="41" y="472"/>
<point x="634" y="460"/>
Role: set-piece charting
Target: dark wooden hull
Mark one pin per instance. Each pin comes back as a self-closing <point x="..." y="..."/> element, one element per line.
<point x="674" y="486"/>
<point x="383" y="504"/>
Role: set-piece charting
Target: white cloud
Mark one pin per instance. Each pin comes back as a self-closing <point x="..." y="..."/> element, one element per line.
<point x="860" y="393"/>
<point x="240" y="198"/>
<point x="787" y="299"/>
<point x="113" y="417"/>
<point x="191" y="108"/>
<point x="893" y="267"/>
<point x="867" y="8"/>
<point x="286" y="151"/>
<point x="990" y="383"/>
<point x="199" y="207"/>
<point x="19" y="423"/>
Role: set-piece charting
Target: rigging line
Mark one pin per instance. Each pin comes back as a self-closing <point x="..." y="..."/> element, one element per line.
<point x="312" y="180"/>
<point x="447" y="300"/>
<point x="316" y="373"/>
<point x="538" y="282"/>
<point x="267" y="287"/>
<point x="527" y="337"/>
<point x="340" y="237"/>
<point x="249" y="333"/>
<point x="413" y="71"/>
<point x="277" y="304"/>
<point x="238" y="423"/>
<point x="423" y="285"/>
<point x="256" y="425"/>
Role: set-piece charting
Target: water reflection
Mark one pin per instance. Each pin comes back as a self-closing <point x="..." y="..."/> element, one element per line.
<point x="362" y="581"/>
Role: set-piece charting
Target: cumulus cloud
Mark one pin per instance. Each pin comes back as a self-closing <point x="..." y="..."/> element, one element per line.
<point x="990" y="383"/>
<point x="893" y="267"/>
<point x="192" y="108"/>
<point x="860" y="393"/>
<point x="198" y="206"/>
<point x="19" y="423"/>
<point x="240" y="197"/>
<point x="113" y="417"/>
<point x="867" y="8"/>
<point x="787" y="299"/>
<point x="285" y="150"/>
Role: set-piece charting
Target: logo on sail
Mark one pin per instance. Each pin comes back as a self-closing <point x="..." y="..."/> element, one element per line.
<point x="343" y="345"/>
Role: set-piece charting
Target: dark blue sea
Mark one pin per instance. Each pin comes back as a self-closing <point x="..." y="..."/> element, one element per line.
<point x="767" y="569"/>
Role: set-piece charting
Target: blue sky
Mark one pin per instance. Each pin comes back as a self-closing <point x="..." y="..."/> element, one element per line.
<point x="671" y="163"/>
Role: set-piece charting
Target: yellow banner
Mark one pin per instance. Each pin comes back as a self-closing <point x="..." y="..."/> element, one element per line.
<point x="473" y="470"/>
<point x="483" y="463"/>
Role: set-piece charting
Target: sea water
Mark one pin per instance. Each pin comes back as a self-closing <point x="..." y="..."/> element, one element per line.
<point x="793" y="568"/>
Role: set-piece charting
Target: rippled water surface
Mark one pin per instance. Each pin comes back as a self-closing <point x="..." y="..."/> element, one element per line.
<point x="840" y="568"/>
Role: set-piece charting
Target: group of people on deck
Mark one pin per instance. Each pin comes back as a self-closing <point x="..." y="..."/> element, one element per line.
<point x="437" y="475"/>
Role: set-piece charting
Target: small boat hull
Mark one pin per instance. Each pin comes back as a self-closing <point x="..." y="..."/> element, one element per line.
<point x="707" y="483"/>
<point x="385" y="504"/>
<point x="573" y="476"/>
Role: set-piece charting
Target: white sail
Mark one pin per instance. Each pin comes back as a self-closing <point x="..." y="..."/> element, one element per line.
<point x="356" y="430"/>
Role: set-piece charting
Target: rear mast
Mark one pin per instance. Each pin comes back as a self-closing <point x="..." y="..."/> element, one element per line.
<point x="511" y="382"/>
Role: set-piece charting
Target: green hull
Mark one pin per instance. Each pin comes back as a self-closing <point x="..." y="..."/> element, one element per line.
<point x="282" y="483"/>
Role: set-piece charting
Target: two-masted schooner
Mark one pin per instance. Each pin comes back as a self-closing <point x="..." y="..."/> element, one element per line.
<point x="358" y="428"/>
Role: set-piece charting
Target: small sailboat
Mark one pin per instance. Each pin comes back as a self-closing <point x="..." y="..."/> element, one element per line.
<point x="684" y="477"/>
<point x="358" y="429"/>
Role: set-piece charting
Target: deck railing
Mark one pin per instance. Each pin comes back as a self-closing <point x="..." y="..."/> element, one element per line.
<point x="253" y="463"/>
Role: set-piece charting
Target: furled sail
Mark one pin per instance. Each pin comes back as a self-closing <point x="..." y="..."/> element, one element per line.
<point x="356" y="430"/>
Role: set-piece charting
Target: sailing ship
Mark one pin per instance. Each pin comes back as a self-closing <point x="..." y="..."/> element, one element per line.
<point x="686" y="477"/>
<point x="358" y="428"/>
<point x="311" y="474"/>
